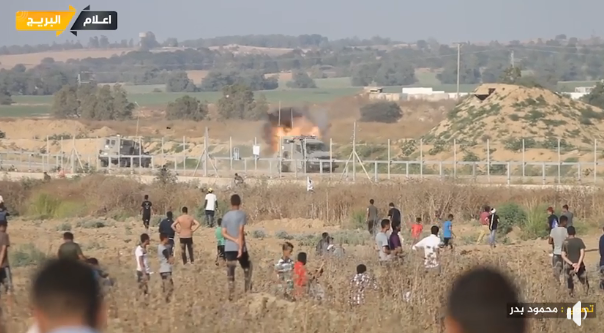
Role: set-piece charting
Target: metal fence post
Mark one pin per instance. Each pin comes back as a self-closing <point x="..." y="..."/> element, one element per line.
<point x="489" y="160"/>
<point x="421" y="158"/>
<point x="559" y="163"/>
<point x="523" y="161"/>
<point x="454" y="158"/>
<point x="543" y="171"/>
<point x="389" y="159"/>
<point x="595" y="160"/>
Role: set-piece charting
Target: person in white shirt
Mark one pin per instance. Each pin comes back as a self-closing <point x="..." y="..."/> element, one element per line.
<point x="309" y="185"/>
<point x="210" y="204"/>
<point x="143" y="271"/>
<point x="430" y="245"/>
<point x="381" y="242"/>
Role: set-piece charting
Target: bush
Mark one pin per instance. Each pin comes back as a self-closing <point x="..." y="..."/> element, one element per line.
<point x="381" y="112"/>
<point x="26" y="255"/>
<point x="510" y="215"/>
<point x="259" y="233"/>
<point x="282" y="234"/>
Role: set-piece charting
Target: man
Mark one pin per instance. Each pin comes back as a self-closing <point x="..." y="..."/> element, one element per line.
<point x="166" y="260"/>
<point x="477" y="302"/>
<point x="235" y="247"/>
<point x="394" y="214"/>
<point x="70" y="249"/>
<point x="309" y="185"/>
<point x="484" y="222"/>
<point x="372" y="216"/>
<point x="448" y="232"/>
<point x="210" y="204"/>
<point x="395" y="240"/>
<point x="430" y="245"/>
<point x="569" y="215"/>
<point x="493" y="224"/>
<point x="165" y="227"/>
<point x="6" y="277"/>
<point x="66" y="298"/>
<point x="146" y="212"/>
<point x="323" y="244"/>
<point x="552" y="222"/>
<point x="381" y="241"/>
<point x="185" y="225"/>
<point x="3" y="213"/>
<point x="557" y="237"/>
<point x="143" y="271"/>
<point x="573" y="253"/>
<point x="601" y="250"/>
<point x="238" y="180"/>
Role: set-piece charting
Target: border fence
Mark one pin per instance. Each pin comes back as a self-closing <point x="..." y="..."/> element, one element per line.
<point x="395" y="159"/>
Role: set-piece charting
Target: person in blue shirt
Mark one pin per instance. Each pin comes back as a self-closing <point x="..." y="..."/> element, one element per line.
<point x="165" y="227"/>
<point x="601" y="248"/>
<point x="448" y="232"/>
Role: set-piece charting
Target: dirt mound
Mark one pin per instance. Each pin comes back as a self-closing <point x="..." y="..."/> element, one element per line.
<point x="41" y="128"/>
<point x="103" y="132"/>
<point x="505" y="114"/>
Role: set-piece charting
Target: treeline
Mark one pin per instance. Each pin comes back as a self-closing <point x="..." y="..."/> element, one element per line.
<point x="104" y="102"/>
<point x="559" y="59"/>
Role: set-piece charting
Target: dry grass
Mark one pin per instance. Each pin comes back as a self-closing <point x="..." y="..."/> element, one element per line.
<point x="33" y="59"/>
<point x="200" y="290"/>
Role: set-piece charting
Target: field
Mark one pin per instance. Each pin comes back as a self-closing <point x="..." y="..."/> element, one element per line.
<point x="107" y="228"/>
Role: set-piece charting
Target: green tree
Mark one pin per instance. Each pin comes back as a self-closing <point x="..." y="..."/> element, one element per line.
<point x="236" y="102"/>
<point x="65" y="103"/>
<point x="382" y="112"/>
<point x="180" y="82"/>
<point x="122" y="107"/>
<point x="260" y="108"/>
<point x="510" y="75"/>
<point x="595" y="96"/>
<point x="187" y="108"/>
<point x="301" y="80"/>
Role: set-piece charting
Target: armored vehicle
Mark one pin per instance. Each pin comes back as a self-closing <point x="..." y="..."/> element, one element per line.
<point x="305" y="153"/>
<point x="123" y="152"/>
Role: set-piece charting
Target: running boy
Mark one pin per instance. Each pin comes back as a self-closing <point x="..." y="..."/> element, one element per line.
<point x="143" y="271"/>
<point x="219" y="241"/>
<point x="166" y="260"/>
<point x="448" y="232"/>
<point x="416" y="229"/>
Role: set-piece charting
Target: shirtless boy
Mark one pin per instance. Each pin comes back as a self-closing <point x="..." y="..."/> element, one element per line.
<point x="185" y="225"/>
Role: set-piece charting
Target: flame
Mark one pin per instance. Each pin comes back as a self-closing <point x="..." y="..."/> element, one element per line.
<point x="301" y="126"/>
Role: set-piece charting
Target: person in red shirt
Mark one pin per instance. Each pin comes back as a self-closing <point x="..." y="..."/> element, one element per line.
<point x="416" y="229"/>
<point x="302" y="278"/>
<point x="484" y="221"/>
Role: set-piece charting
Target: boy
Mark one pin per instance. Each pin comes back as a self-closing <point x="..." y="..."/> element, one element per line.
<point x="235" y="247"/>
<point x="219" y="241"/>
<point x="493" y="223"/>
<point x="557" y="237"/>
<point x="99" y="273"/>
<point x="166" y="260"/>
<point x="359" y="284"/>
<point x="302" y="280"/>
<point x="143" y="271"/>
<point x="448" y="232"/>
<point x="416" y="230"/>
<point x="284" y="269"/>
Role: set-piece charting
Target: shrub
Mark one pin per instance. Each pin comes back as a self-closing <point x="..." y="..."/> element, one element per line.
<point x="510" y="215"/>
<point x="282" y="234"/>
<point x="259" y="233"/>
<point x="26" y="255"/>
<point x="381" y="112"/>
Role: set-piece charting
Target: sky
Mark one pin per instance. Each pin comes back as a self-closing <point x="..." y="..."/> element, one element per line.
<point x="403" y="20"/>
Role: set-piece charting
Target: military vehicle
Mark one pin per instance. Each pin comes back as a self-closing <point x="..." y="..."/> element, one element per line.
<point x="123" y="152"/>
<point x="306" y="153"/>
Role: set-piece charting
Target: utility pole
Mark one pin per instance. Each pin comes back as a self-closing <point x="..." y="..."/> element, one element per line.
<point x="458" y="66"/>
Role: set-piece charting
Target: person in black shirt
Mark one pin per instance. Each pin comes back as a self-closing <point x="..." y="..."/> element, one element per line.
<point x="165" y="227"/>
<point x="394" y="214"/>
<point x="146" y="210"/>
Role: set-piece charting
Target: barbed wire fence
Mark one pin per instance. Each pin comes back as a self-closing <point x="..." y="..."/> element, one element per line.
<point x="521" y="161"/>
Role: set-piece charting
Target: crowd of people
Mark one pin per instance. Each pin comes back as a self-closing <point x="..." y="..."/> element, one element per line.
<point x="473" y="304"/>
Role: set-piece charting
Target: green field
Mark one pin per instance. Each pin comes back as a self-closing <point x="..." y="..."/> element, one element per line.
<point x="327" y="90"/>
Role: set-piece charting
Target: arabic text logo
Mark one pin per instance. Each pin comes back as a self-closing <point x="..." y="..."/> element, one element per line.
<point x="44" y="20"/>
<point x="58" y="21"/>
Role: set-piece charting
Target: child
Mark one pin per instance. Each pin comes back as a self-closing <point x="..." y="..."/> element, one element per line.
<point x="219" y="241"/>
<point x="416" y="229"/>
<point x="284" y="269"/>
<point x="100" y="275"/>
<point x="359" y="283"/>
<point x="166" y="260"/>
<point x="448" y="232"/>
<point x="302" y="280"/>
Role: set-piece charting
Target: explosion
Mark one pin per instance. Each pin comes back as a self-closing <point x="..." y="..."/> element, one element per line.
<point x="290" y="122"/>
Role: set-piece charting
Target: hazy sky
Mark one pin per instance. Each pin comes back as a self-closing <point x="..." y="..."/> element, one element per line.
<point x="445" y="20"/>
